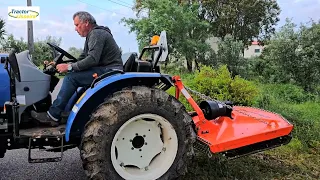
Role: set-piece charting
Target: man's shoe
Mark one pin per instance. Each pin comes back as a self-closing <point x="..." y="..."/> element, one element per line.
<point x="65" y="114"/>
<point x="44" y="118"/>
<point x="64" y="117"/>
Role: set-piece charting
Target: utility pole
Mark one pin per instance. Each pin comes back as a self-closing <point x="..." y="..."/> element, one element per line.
<point x="30" y="32"/>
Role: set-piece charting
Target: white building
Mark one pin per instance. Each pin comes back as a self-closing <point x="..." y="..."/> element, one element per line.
<point x="253" y="50"/>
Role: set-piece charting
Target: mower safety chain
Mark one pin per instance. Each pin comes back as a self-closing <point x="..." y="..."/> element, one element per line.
<point x="204" y="97"/>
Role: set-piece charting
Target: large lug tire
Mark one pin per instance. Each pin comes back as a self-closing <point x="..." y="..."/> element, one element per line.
<point x="138" y="133"/>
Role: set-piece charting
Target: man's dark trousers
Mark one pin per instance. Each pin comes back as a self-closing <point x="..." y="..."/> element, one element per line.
<point x="71" y="82"/>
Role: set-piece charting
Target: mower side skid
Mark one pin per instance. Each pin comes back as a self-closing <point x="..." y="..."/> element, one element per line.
<point x="248" y="126"/>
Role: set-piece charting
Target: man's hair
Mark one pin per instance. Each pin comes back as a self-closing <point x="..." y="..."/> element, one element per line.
<point x="85" y="16"/>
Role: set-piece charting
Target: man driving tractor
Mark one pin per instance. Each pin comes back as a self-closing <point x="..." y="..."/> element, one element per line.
<point x="100" y="54"/>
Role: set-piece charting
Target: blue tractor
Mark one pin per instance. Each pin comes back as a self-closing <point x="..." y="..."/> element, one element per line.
<point x="125" y="124"/>
<point x="119" y="121"/>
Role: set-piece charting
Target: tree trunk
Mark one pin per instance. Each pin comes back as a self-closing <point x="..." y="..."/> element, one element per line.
<point x="189" y="65"/>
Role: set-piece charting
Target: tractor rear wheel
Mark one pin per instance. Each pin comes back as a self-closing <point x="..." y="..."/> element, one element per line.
<point x="138" y="133"/>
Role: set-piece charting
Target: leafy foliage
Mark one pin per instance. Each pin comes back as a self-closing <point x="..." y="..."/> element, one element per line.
<point x="292" y="57"/>
<point x="296" y="160"/>
<point x="229" y="53"/>
<point x="2" y="30"/>
<point x="42" y="51"/>
<point x="11" y="43"/>
<point x="219" y="84"/>
<point x="295" y="105"/>
<point x="75" y="52"/>
<point x="243" y="19"/>
<point x="187" y="33"/>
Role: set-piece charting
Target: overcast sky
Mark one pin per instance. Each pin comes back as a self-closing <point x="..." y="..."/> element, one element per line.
<point x="56" y="18"/>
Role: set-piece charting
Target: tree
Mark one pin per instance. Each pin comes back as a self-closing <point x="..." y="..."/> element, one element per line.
<point x="11" y="43"/>
<point x="75" y="52"/>
<point x="293" y="56"/>
<point x="187" y="33"/>
<point x="243" y="19"/>
<point x="229" y="53"/>
<point x="308" y="53"/>
<point x="43" y="51"/>
<point x="2" y="30"/>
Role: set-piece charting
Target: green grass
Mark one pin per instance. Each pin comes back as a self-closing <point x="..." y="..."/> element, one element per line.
<point x="302" y="112"/>
<point x="280" y="163"/>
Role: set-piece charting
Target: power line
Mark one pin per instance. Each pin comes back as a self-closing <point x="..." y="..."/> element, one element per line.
<point x="125" y="3"/>
<point x="101" y="8"/>
<point x="119" y="4"/>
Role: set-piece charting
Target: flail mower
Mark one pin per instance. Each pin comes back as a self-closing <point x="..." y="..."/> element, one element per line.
<point x="125" y="124"/>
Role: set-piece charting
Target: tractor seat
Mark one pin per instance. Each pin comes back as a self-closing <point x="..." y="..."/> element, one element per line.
<point x="129" y="63"/>
<point x="133" y="64"/>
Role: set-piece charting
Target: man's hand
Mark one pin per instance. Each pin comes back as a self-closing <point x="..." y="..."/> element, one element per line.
<point x="49" y="63"/>
<point x="62" y="68"/>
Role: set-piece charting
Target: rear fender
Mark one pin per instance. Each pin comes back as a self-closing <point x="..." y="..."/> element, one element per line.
<point x="94" y="96"/>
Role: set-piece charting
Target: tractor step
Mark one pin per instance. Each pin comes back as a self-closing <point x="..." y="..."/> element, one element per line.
<point x="43" y="132"/>
<point x="39" y="135"/>
<point x="44" y="160"/>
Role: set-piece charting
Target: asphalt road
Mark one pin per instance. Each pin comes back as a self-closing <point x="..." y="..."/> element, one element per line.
<point x="15" y="164"/>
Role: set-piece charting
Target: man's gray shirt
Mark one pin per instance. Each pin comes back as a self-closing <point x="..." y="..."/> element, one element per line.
<point x="100" y="49"/>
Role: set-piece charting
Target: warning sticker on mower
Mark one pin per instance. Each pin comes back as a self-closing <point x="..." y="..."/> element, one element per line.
<point x="185" y="93"/>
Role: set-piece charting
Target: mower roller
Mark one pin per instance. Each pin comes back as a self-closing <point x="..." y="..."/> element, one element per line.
<point x="125" y="124"/>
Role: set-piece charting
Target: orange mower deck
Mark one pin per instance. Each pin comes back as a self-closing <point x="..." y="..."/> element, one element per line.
<point x="249" y="130"/>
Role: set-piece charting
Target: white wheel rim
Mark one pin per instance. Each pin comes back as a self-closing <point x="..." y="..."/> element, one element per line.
<point x="148" y="155"/>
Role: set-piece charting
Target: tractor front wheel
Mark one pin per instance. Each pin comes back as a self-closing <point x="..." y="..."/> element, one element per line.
<point x="138" y="133"/>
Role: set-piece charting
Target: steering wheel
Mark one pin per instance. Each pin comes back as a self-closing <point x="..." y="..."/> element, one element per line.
<point x="63" y="52"/>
